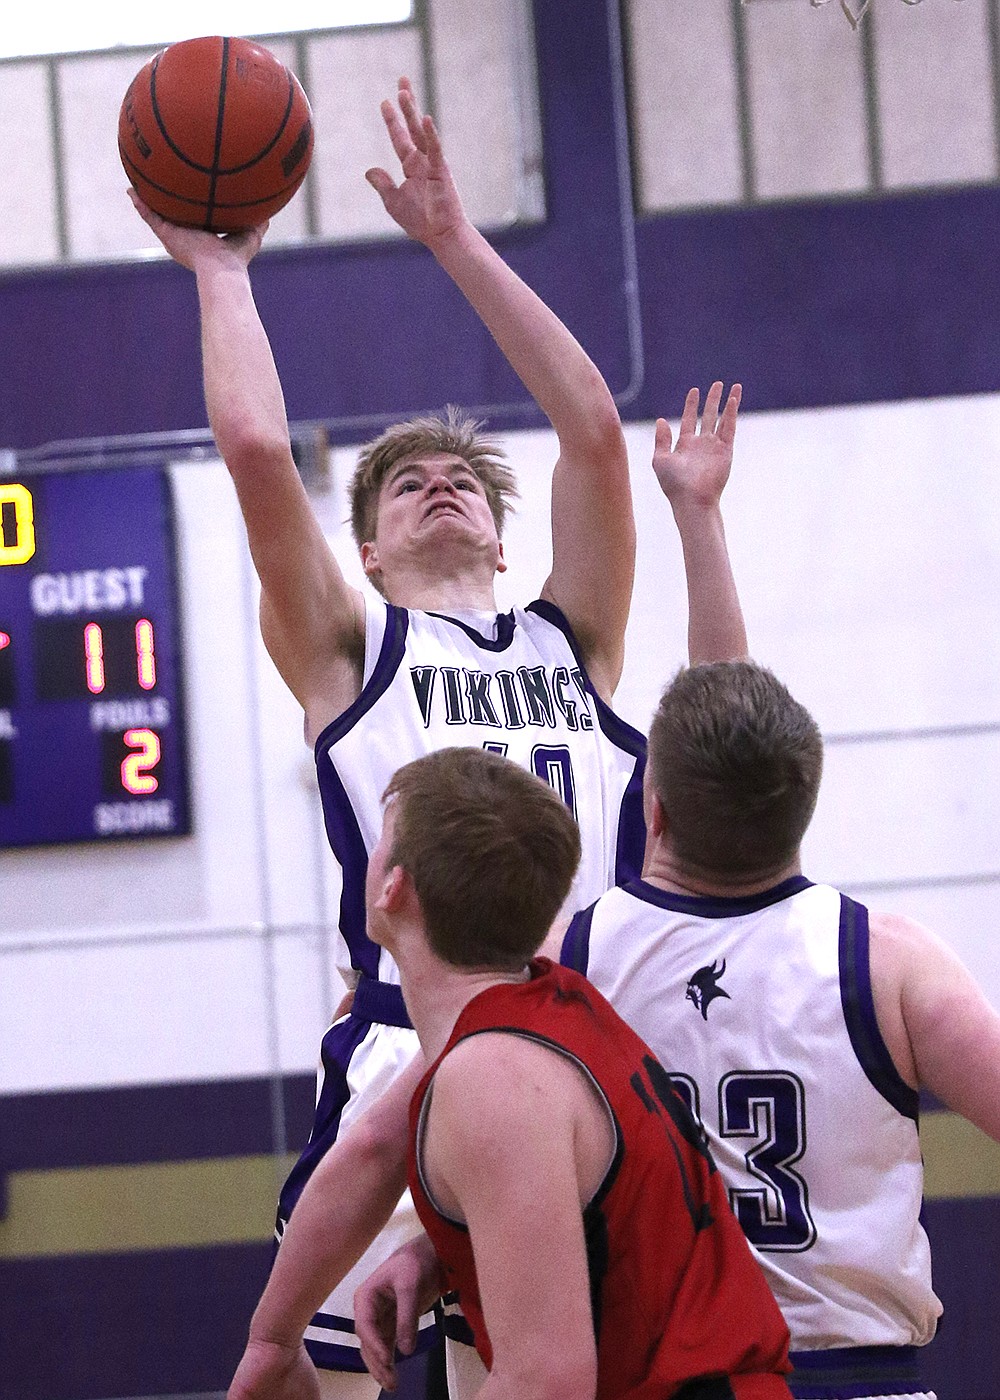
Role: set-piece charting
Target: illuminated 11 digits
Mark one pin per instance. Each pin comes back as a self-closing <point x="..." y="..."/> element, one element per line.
<point x="93" y="655"/>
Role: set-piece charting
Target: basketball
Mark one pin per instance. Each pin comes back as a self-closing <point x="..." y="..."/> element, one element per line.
<point x="215" y="133"/>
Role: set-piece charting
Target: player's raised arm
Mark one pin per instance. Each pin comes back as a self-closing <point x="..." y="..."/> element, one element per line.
<point x="593" y="532"/>
<point x="940" y="1029"/>
<point x="313" y="622"/>
<point x="692" y="475"/>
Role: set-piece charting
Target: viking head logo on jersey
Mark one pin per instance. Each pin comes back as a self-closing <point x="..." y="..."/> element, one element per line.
<point x="702" y="988"/>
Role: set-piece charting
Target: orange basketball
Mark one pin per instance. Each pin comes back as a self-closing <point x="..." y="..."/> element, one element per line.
<point x="215" y="133"/>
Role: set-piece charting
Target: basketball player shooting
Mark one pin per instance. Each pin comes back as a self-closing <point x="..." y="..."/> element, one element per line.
<point x="430" y="663"/>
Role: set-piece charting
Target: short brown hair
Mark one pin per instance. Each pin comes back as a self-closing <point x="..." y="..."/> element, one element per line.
<point x="455" y="433"/>
<point x="491" y="850"/>
<point x="736" y="763"/>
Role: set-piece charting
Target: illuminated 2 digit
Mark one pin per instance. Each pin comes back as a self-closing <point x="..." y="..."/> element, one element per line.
<point x="136" y="777"/>
<point x="11" y="493"/>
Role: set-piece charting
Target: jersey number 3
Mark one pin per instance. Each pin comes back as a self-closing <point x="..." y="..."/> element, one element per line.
<point x="768" y="1107"/>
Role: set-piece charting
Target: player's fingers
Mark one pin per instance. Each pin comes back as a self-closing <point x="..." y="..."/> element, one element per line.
<point x="375" y="1315"/>
<point x="413" y="116"/>
<point x="381" y="1368"/>
<point x="727" y="423"/>
<point x="710" y="413"/>
<point x="376" y="1334"/>
<point x="381" y="181"/>
<point x="407" y="1320"/>
<point x="432" y="142"/>
<point x="143" y="210"/>
<point x="402" y="142"/>
<point x="689" y="418"/>
<point x="664" y="438"/>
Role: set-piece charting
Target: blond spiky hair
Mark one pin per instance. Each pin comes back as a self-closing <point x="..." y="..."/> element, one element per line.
<point x="455" y="433"/>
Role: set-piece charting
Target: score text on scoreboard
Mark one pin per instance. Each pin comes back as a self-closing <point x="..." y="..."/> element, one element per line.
<point x="92" y="742"/>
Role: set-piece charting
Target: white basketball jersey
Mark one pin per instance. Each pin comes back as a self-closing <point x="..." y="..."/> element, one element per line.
<point x="761" y="1011"/>
<point x="510" y="682"/>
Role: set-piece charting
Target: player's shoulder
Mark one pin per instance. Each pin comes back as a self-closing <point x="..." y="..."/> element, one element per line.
<point x="907" y="961"/>
<point x="897" y="937"/>
<point x="509" y="1056"/>
<point x="498" y="1077"/>
<point x="494" y="1052"/>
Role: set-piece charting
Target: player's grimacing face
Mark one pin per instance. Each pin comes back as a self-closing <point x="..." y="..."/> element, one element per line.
<point x="432" y="496"/>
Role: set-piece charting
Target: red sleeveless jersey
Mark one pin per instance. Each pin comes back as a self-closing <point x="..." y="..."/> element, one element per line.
<point x="676" y="1293"/>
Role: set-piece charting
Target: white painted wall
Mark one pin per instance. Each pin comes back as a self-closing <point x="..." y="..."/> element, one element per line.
<point x="866" y="542"/>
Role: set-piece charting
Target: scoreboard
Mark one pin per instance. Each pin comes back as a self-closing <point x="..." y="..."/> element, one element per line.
<point x="92" y="744"/>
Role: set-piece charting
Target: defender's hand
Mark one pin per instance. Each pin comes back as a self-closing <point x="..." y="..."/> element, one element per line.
<point x="696" y="470"/>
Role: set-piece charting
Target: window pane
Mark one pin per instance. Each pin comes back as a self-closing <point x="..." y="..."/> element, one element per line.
<point x="808" y="118"/>
<point x="37" y="29"/>
<point x="935" y="93"/>
<point x="685" y="104"/>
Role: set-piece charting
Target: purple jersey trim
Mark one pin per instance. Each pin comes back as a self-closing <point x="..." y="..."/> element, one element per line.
<point x="456" y="1329"/>
<point x="576" y="941"/>
<point x="506" y="627"/>
<point x="381" y="1002"/>
<point x="339" y="1045"/>
<point x="337" y="1356"/>
<point x="859" y="1012"/>
<point x="342" y="830"/>
<point x="390" y="654"/>
<point x="842" y="1373"/>
<point x="631" y="843"/>
<point x="717" y="906"/>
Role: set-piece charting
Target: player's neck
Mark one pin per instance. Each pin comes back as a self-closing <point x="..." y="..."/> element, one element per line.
<point x="436" y="995"/>
<point x="456" y="589"/>
<point x="666" y="872"/>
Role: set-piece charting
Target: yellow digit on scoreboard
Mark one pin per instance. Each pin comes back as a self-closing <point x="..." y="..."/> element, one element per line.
<point x="23" y="546"/>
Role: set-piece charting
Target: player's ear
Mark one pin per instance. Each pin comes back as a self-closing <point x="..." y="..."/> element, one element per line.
<point x="394" y="891"/>
<point x="501" y="561"/>
<point x="369" y="558"/>
<point x="652" y="807"/>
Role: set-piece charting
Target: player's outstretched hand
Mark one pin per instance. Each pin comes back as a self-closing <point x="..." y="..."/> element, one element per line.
<point x="695" y="471"/>
<point x="426" y="205"/>
<point x="193" y="246"/>
<point x="269" y="1371"/>
<point x="390" y="1303"/>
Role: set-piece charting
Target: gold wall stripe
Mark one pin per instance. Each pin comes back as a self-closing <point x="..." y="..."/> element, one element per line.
<point x="960" y="1161"/>
<point x="155" y="1205"/>
<point x="231" y="1200"/>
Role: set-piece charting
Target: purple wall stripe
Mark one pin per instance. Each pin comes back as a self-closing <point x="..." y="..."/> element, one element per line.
<point x="148" y="1123"/>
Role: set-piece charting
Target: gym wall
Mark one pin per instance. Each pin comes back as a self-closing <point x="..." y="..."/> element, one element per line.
<point x="161" y="1004"/>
